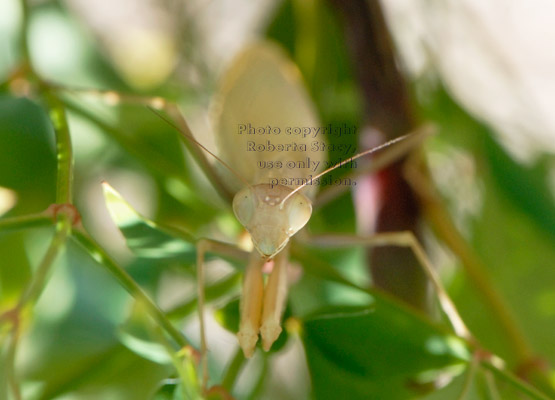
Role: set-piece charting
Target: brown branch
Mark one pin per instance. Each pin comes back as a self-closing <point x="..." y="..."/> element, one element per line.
<point x="387" y="111"/>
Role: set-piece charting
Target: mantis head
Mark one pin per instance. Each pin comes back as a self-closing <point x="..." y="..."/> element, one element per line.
<point x="269" y="220"/>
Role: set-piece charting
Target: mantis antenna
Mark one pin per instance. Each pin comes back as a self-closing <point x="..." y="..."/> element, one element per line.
<point x="192" y="139"/>
<point x="364" y="153"/>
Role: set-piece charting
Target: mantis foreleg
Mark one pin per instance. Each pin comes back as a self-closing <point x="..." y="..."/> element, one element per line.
<point x="251" y="304"/>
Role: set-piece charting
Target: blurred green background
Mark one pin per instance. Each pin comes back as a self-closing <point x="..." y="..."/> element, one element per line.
<point x="90" y="335"/>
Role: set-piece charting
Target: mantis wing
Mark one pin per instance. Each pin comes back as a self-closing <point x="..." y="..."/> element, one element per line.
<point x="261" y="101"/>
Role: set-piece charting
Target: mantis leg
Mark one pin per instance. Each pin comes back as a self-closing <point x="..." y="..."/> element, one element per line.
<point x="408" y="240"/>
<point x="251" y="304"/>
<point x="262" y="309"/>
<point x="203" y="246"/>
<point x="275" y="297"/>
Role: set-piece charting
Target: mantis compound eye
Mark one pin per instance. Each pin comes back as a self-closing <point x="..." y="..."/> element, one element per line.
<point x="244" y="205"/>
<point x="299" y="212"/>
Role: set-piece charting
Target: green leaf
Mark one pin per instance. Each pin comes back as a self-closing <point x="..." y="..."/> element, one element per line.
<point x="228" y="316"/>
<point x="137" y="335"/>
<point x="381" y="351"/>
<point x="167" y="390"/>
<point x="73" y="336"/>
<point x="519" y="256"/>
<point x="15" y="269"/>
<point x="526" y="187"/>
<point x="145" y="238"/>
<point x="512" y="236"/>
<point x="28" y="161"/>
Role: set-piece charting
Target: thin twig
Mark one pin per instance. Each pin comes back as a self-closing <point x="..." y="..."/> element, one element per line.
<point x="40" y="278"/>
<point x="490" y="385"/>
<point x="470" y="374"/>
<point x="508" y="377"/>
<point x="10" y="366"/>
<point x="31" y="295"/>
<point x="24" y="222"/>
<point x="64" y="152"/>
<point x="233" y="370"/>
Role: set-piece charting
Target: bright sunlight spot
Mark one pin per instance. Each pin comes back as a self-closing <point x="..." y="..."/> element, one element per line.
<point x="8" y="199"/>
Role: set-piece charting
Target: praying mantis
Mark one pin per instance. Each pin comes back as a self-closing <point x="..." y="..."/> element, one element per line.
<point x="262" y="88"/>
<point x="262" y="92"/>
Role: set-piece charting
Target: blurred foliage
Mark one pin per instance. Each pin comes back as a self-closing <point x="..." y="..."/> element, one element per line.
<point x="94" y="330"/>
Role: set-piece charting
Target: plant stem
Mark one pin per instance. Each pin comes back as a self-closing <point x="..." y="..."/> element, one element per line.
<point x="127" y="282"/>
<point x="255" y="392"/>
<point x="233" y="370"/>
<point x="470" y="373"/>
<point x="23" y="40"/>
<point x="10" y="367"/>
<point x="57" y="114"/>
<point x="24" y="222"/>
<point x="515" y="381"/>
<point x="40" y="278"/>
<point x="31" y="295"/>
<point x="64" y="153"/>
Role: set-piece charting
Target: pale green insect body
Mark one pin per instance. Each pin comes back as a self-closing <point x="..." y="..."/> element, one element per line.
<point x="261" y="99"/>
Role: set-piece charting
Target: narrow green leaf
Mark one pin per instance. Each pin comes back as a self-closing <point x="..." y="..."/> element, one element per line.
<point x="167" y="390"/>
<point x="138" y="334"/>
<point x="139" y="343"/>
<point x="145" y="238"/>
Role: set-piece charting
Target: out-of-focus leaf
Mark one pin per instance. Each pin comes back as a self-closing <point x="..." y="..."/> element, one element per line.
<point x="145" y="348"/>
<point x="382" y="351"/>
<point x="526" y="187"/>
<point x="483" y="386"/>
<point x="137" y="335"/>
<point x="519" y="256"/>
<point x="75" y="350"/>
<point x="115" y="370"/>
<point x="512" y="235"/>
<point x="167" y="390"/>
<point x="15" y="269"/>
<point x="27" y="164"/>
<point x="145" y="238"/>
<point x="228" y="316"/>
<point x="172" y="389"/>
<point x="153" y="137"/>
